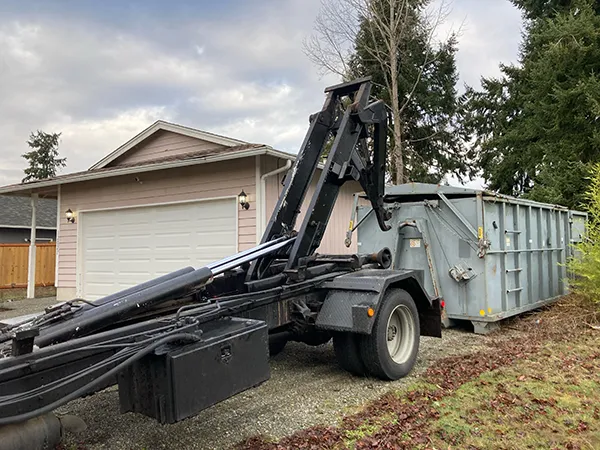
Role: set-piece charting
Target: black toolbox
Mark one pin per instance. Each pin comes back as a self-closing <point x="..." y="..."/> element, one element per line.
<point x="232" y="356"/>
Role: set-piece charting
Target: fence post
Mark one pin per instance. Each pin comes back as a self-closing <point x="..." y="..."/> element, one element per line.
<point x="32" y="257"/>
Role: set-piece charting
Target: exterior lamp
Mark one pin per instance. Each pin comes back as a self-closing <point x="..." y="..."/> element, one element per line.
<point x="70" y="216"/>
<point x="243" y="199"/>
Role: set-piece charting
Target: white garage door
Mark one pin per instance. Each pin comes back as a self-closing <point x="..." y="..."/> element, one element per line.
<point x="124" y="247"/>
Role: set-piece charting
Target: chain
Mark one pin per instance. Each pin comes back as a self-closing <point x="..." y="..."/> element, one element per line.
<point x="438" y="238"/>
<point x="449" y="227"/>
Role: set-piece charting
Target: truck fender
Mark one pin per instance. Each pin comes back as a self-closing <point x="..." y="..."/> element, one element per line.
<point x="349" y="298"/>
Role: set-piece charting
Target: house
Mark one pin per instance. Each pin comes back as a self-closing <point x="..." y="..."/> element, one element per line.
<point x="167" y="198"/>
<point x="15" y="220"/>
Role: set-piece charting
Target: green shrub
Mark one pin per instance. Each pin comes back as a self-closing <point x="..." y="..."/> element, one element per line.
<point x="585" y="265"/>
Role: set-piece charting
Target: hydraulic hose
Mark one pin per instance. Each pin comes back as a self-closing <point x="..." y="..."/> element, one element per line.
<point x="98" y="381"/>
<point x="131" y="347"/>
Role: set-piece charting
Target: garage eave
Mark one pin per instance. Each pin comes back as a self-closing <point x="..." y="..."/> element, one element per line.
<point x="36" y="186"/>
<point x="166" y="126"/>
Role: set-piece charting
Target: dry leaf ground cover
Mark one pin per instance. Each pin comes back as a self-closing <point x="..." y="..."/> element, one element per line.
<point x="536" y="386"/>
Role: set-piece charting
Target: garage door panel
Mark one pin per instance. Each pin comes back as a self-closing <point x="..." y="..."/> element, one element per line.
<point x="99" y="243"/>
<point x="167" y="242"/>
<point x="102" y="289"/>
<point x="134" y="266"/>
<point x="101" y="227"/>
<point x="175" y="227"/>
<point x="212" y="242"/>
<point x="125" y="247"/>
<point x="131" y="249"/>
<point x="124" y="260"/>
<point x="133" y="236"/>
<point x="174" y="234"/>
<point x="212" y="231"/>
<point x="131" y="217"/>
<point x="219" y="252"/>
<point x="162" y="267"/>
<point x="100" y="266"/>
<point x="101" y="255"/>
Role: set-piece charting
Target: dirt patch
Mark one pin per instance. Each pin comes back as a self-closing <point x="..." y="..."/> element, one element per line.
<point x="477" y="400"/>
<point x="21" y="293"/>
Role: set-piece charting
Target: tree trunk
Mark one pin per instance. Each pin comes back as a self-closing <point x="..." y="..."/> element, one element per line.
<point x="398" y="157"/>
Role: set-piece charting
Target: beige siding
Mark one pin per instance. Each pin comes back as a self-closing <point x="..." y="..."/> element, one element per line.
<point x="162" y="144"/>
<point x="222" y="179"/>
<point x="273" y="185"/>
<point x="333" y="241"/>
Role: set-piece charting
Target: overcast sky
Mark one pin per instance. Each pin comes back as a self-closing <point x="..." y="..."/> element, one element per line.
<point x="102" y="71"/>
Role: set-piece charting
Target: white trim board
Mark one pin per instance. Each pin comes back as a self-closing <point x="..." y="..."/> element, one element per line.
<point x="146" y="205"/>
<point x="26" y="227"/>
<point x="56" y="238"/>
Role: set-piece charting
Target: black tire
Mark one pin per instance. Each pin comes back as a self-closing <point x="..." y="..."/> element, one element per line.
<point x="276" y="346"/>
<point x="376" y="356"/>
<point x="347" y="353"/>
<point x="313" y="338"/>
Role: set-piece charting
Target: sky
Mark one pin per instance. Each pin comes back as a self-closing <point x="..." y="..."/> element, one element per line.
<point x="101" y="72"/>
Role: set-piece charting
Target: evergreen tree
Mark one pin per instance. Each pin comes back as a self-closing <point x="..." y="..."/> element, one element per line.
<point x="537" y="9"/>
<point x="43" y="158"/>
<point x="427" y="99"/>
<point x="537" y="128"/>
<point x="392" y="41"/>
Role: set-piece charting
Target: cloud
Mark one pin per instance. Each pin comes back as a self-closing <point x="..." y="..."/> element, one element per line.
<point x="235" y="68"/>
<point x="489" y="32"/>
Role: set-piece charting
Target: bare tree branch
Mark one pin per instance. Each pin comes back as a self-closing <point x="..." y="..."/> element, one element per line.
<point x="387" y="24"/>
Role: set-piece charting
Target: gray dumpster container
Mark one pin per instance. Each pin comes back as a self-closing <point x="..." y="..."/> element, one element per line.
<point x="487" y="256"/>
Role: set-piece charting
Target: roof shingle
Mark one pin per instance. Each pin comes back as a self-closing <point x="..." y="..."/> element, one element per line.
<point x="16" y="212"/>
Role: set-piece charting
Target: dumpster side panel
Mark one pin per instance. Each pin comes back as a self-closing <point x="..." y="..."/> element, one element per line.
<point x="523" y="266"/>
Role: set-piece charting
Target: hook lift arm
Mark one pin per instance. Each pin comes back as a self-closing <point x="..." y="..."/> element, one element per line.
<point x="355" y="128"/>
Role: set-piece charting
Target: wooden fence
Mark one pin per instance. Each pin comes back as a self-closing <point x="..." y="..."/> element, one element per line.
<point x="14" y="261"/>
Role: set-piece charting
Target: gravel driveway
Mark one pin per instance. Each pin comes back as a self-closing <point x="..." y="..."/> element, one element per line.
<point x="306" y="388"/>
<point x="23" y="307"/>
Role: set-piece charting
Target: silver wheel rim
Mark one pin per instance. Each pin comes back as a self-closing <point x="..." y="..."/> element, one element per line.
<point x="400" y="334"/>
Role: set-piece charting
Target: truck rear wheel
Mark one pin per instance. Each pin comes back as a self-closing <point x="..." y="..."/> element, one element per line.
<point x="390" y="351"/>
<point x="347" y="353"/>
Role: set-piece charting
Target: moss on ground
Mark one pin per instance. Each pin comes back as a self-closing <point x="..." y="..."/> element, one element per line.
<point x="539" y="390"/>
<point x="549" y="400"/>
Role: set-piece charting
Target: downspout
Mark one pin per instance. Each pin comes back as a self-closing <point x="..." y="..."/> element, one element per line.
<point x="263" y="189"/>
<point x="57" y="251"/>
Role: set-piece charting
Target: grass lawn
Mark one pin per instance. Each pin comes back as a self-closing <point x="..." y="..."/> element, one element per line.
<point x="549" y="400"/>
<point x="536" y="387"/>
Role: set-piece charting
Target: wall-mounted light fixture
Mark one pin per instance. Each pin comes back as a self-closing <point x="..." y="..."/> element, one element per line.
<point x="243" y="199"/>
<point x="70" y="216"/>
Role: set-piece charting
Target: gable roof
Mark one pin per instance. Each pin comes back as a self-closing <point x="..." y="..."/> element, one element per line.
<point x="231" y="149"/>
<point x="15" y="212"/>
<point x="166" y="126"/>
